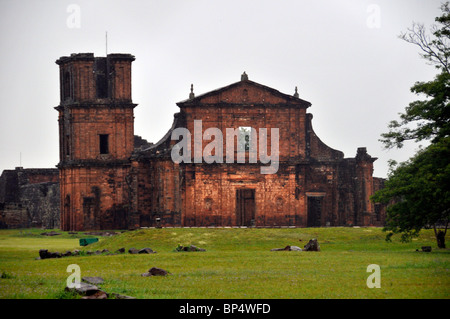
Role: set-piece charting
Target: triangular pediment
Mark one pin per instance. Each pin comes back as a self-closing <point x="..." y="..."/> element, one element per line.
<point x="244" y="92"/>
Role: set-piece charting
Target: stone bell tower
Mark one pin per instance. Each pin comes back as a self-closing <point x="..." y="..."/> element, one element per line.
<point x="95" y="140"/>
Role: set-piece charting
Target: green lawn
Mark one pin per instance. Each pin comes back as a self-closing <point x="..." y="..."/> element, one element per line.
<point x="237" y="263"/>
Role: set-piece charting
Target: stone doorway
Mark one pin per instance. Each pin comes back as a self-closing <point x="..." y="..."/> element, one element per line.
<point x="314" y="211"/>
<point x="245" y="207"/>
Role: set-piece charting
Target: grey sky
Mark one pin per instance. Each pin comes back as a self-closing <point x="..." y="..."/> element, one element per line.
<point x="344" y="56"/>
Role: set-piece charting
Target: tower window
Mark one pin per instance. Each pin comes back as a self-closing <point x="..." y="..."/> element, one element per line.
<point x="66" y="86"/>
<point x="101" y="78"/>
<point x="67" y="145"/>
<point x="104" y="147"/>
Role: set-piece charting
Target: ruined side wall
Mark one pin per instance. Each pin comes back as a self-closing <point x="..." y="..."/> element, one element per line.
<point x="95" y="198"/>
<point x="157" y="192"/>
<point x="41" y="201"/>
<point x="9" y="186"/>
<point x="29" y="198"/>
<point x="38" y="175"/>
<point x="13" y="215"/>
<point x="321" y="182"/>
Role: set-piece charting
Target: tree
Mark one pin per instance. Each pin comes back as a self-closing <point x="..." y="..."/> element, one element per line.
<point x="417" y="191"/>
<point x="431" y="116"/>
<point x="434" y="48"/>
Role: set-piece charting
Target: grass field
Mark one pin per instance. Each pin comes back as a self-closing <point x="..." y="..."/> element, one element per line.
<point x="237" y="263"/>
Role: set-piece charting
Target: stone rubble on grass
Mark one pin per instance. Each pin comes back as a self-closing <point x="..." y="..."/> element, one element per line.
<point x="93" y="280"/>
<point x="312" y="245"/>
<point x="146" y="251"/>
<point x="154" y="271"/>
<point x="133" y="251"/>
<point x="84" y="289"/>
<point x="45" y="254"/>
<point x="100" y="294"/>
<point x="287" y="248"/>
<point x="189" y="248"/>
<point x="89" y="290"/>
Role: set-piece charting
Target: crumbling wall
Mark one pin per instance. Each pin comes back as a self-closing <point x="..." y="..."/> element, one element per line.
<point x="29" y="198"/>
<point x="9" y="187"/>
<point x="41" y="201"/>
<point x="13" y="215"/>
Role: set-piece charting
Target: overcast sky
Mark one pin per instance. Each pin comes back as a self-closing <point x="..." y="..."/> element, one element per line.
<point x="344" y="56"/>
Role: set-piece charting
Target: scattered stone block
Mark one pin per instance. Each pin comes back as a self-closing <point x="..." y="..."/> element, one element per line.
<point x="43" y="253"/>
<point x="89" y="290"/>
<point x="189" y="248"/>
<point x="84" y="289"/>
<point x="67" y="254"/>
<point x="118" y="296"/>
<point x="194" y="248"/>
<point x="98" y="295"/>
<point x="287" y="248"/>
<point x="281" y="249"/>
<point x="146" y="251"/>
<point x="56" y="254"/>
<point x="312" y="245"/>
<point x="133" y="251"/>
<point x="154" y="271"/>
<point x="426" y="249"/>
<point x="93" y="280"/>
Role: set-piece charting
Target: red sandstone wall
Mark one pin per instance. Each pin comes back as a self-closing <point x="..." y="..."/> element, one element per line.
<point x="308" y="169"/>
<point x="38" y="178"/>
<point x="257" y="108"/>
<point x="85" y="208"/>
<point x="106" y="191"/>
<point x="86" y="126"/>
<point x="210" y="197"/>
<point x="158" y="193"/>
<point x="121" y="81"/>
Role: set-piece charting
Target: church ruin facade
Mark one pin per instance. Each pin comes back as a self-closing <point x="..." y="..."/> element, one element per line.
<point x="107" y="181"/>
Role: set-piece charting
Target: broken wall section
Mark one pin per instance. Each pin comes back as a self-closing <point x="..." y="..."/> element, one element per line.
<point x="29" y="198"/>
